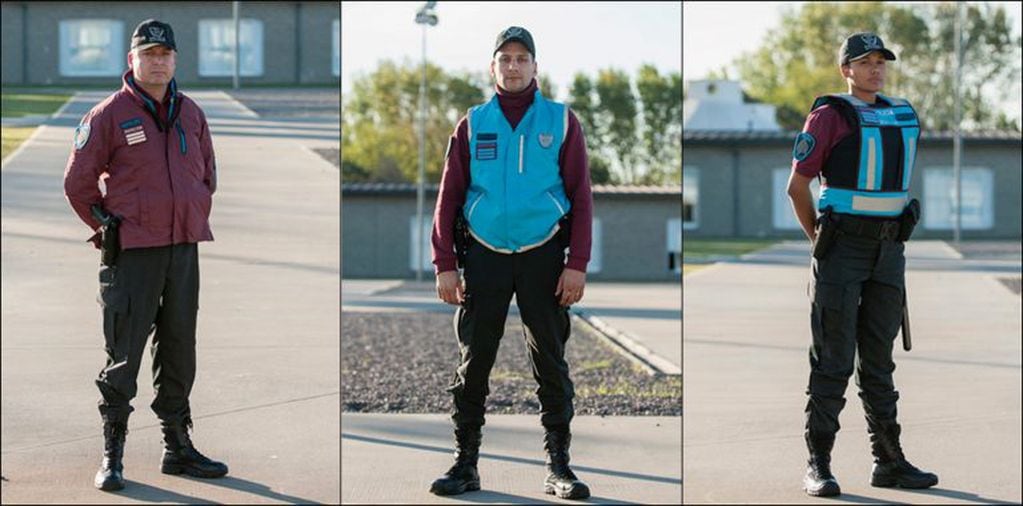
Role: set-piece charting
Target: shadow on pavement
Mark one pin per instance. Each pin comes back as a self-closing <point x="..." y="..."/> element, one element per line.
<point x="149" y="493"/>
<point x="518" y="460"/>
<point x="959" y="495"/>
<point x="251" y="487"/>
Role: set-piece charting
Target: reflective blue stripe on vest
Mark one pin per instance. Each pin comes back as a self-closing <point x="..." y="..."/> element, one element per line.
<point x="516" y="195"/>
<point x="869" y="197"/>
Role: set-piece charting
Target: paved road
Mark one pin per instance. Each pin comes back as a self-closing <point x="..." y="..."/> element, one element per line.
<point x="624" y="459"/>
<point x="266" y="398"/>
<point x="746" y="336"/>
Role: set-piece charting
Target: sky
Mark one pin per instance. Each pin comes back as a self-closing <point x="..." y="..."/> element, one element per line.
<point x="706" y="49"/>
<point x="570" y="37"/>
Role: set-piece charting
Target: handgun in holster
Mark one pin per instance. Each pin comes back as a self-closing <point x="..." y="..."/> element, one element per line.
<point x="908" y="219"/>
<point x="827" y="229"/>
<point x="110" y="242"/>
<point x="461" y="238"/>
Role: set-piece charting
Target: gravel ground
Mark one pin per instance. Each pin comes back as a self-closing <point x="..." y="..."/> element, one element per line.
<point x="994" y="250"/>
<point x="403" y="362"/>
<point x="291" y="103"/>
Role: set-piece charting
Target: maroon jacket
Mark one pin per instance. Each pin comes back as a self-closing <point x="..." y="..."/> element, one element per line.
<point x="575" y="174"/>
<point x="159" y="179"/>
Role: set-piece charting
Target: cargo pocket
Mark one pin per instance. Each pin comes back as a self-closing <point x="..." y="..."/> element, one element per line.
<point x="114" y="301"/>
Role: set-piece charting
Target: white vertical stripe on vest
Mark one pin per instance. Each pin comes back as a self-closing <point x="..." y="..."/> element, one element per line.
<point x="871" y="163"/>
<point x="522" y="139"/>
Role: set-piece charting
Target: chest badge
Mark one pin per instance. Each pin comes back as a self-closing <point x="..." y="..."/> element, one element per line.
<point x="134" y="132"/>
<point x="546" y="140"/>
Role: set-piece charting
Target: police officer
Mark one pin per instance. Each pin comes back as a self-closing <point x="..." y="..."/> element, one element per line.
<point x="150" y="145"/>
<point x="514" y="171"/>
<point x="862" y="145"/>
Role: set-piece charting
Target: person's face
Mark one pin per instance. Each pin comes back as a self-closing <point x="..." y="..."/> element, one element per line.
<point x="513" y="67"/>
<point x="153" y="66"/>
<point x="866" y="73"/>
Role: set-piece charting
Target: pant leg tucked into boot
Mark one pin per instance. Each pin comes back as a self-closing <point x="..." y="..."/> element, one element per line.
<point x="890" y="465"/>
<point x="180" y="455"/>
<point x="111" y="472"/>
<point x="463" y="475"/>
<point x="561" y="481"/>
<point x="819" y="481"/>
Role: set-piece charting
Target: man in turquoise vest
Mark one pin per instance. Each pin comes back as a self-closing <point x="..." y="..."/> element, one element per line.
<point x="862" y="146"/>
<point x="516" y="174"/>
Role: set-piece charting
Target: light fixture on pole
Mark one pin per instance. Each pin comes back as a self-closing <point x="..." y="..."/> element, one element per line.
<point x="424" y="17"/>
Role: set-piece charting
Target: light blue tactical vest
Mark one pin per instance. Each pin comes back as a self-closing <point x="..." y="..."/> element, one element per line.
<point x="516" y="195"/>
<point x="871" y="177"/>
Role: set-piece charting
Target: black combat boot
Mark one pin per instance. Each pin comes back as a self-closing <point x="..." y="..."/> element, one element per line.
<point x="180" y="456"/>
<point x="463" y="476"/>
<point x="819" y="481"/>
<point x="890" y="466"/>
<point x="111" y="472"/>
<point x="561" y="481"/>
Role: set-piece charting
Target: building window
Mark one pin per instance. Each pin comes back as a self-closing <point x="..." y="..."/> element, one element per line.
<point x="784" y="218"/>
<point x="92" y="47"/>
<point x="675" y="245"/>
<point x="690" y="198"/>
<point x="978" y="209"/>
<point x="420" y="242"/>
<point x="596" y="248"/>
<point x="336" y="62"/>
<point x="216" y="47"/>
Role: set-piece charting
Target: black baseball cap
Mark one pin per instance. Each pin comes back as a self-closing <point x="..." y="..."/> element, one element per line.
<point x="151" y="33"/>
<point x="861" y="44"/>
<point x="516" y="33"/>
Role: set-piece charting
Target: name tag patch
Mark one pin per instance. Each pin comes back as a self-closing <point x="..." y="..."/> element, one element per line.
<point x="486" y="146"/>
<point x="134" y="135"/>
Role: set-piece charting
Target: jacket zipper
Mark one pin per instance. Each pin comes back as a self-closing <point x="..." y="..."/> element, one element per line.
<point x="521" y="142"/>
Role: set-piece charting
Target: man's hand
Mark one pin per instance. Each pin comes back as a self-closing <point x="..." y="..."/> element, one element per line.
<point x="449" y="287"/>
<point x="570" y="286"/>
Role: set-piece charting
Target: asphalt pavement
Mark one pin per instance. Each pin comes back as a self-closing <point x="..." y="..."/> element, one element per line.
<point x="267" y="395"/>
<point x="746" y="338"/>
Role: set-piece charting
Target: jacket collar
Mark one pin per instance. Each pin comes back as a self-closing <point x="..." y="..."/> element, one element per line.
<point x="145" y="100"/>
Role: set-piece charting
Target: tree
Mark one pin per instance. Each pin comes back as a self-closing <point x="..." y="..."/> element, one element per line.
<point x="799" y="59"/>
<point x="618" y="115"/>
<point x="662" y="121"/>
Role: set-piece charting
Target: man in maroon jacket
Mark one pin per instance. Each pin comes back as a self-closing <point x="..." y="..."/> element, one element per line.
<point x="149" y="146"/>
<point x="516" y="173"/>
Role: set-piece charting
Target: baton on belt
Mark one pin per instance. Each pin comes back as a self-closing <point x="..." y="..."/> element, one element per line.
<point x="907" y="340"/>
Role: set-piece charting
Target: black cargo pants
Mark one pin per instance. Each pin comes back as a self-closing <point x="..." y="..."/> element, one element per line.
<point x="149" y="289"/>
<point x="490" y="280"/>
<point x="857" y="295"/>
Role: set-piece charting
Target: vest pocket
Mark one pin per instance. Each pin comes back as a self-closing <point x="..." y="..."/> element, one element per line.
<point x="561" y="210"/>
<point x="472" y="207"/>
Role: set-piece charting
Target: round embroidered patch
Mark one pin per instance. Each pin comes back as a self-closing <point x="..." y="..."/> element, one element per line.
<point x="804" y="146"/>
<point x="82" y="135"/>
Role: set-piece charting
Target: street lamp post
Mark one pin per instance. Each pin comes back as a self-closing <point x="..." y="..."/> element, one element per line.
<point x="424" y="17"/>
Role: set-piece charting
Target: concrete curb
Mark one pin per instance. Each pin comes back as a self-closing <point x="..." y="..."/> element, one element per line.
<point x="628" y="346"/>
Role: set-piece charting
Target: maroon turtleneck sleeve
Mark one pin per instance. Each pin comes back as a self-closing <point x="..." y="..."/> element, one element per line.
<point x="575" y="174"/>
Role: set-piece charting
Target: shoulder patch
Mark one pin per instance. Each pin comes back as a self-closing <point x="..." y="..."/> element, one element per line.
<point x="804" y="146"/>
<point x="82" y="135"/>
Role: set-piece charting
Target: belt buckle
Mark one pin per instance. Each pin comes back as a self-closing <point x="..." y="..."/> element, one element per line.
<point x="889" y="230"/>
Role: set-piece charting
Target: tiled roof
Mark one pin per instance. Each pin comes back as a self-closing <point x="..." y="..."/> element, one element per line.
<point x="600" y="189"/>
<point x="719" y="136"/>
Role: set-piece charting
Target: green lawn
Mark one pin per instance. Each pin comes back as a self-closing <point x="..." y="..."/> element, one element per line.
<point x="13" y="137"/>
<point x="17" y="105"/>
<point x="707" y="249"/>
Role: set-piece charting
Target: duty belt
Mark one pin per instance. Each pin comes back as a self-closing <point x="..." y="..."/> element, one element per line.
<point x="882" y="230"/>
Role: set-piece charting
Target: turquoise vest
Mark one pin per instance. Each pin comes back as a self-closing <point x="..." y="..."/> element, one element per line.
<point x="870" y="175"/>
<point x="516" y="195"/>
